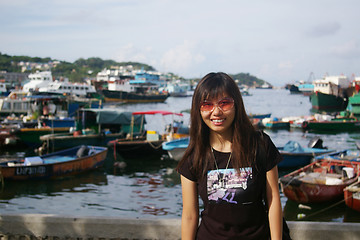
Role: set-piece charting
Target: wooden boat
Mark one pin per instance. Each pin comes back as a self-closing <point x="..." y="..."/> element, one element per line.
<point x="330" y="93"/>
<point x="352" y="196"/>
<point x="144" y="143"/>
<point x="176" y="148"/>
<point x="327" y="102"/>
<point x="96" y="127"/>
<point x="55" y="165"/>
<point x="132" y="97"/>
<point x="294" y="155"/>
<point x="31" y="136"/>
<point x="274" y="123"/>
<point x="323" y="180"/>
<point x="335" y="124"/>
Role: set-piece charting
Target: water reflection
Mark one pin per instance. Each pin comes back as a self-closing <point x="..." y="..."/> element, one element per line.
<point x="86" y="182"/>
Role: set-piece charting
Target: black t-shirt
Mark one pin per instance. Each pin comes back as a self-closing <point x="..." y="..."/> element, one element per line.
<point x="233" y="201"/>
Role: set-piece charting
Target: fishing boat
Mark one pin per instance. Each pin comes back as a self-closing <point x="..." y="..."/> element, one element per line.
<point x="322" y="180"/>
<point x="352" y="196"/>
<point x="55" y="165"/>
<point x="31" y="136"/>
<point x="274" y="123"/>
<point x="256" y="118"/>
<point x="335" y="124"/>
<point x="95" y="127"/>
<point x="44" y="82"/>
<point x="176" y="148"/>
<point x="330" y="93"/>
<point x="145" y="143"/>
<point x="294" y="155"/>
<point x="131" y="91"/>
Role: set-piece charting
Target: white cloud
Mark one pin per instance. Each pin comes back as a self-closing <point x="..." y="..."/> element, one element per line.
<point x="181" y="58"/>
<point x="350" y="49"/>
<point x="131" y="53"/>
<point x="325" y="29"/>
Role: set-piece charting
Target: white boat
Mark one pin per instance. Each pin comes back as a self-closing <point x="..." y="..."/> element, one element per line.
<point x="37" y="80"/>
<point x="176" y="89"/>
<point x="176" y="148"/>
<point x="66" y="87"/>
<point x="43" y="82"/>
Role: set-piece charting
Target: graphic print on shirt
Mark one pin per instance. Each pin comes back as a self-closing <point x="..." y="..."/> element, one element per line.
<point x="224" y="184"/>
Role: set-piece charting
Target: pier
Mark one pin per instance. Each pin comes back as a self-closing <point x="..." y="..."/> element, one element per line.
<point x="46" y="226"/>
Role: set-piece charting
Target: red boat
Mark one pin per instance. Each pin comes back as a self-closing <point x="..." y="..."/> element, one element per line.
<point x="352" y="196"/>
<point x="59" y="164"/>
<point x="321" y="181"/>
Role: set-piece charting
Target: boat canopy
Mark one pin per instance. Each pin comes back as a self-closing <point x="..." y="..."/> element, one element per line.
<point x="157" y="112"/>
<point x="114" y="116"/>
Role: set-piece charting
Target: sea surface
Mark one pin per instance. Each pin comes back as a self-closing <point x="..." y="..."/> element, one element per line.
<point x="150" y="188"/>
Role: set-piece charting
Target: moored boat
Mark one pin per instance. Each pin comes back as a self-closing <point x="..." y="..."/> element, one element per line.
<point x="274" y="123"/>
<point x="330" y="93"/>
<point x="144" y="143"/>
<point x="335" y="124"/>
<point x="322" y="180"/>
<point x="95" y="127"/>
<point x="294" y="155"/>
<point x="55" y="165"/>
<point x="31" y="136"/>
<point x="352" y="196"/>
<point x="176" y="148"/>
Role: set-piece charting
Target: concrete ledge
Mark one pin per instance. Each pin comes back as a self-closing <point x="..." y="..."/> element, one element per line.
<point x="69" y="227"/>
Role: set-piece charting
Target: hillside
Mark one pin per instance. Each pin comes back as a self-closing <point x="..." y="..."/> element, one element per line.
<point x="83" y="68"/>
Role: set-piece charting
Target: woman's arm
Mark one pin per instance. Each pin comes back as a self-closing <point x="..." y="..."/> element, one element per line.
<point x="273" y="199"/>
<point x="190" y="211"/>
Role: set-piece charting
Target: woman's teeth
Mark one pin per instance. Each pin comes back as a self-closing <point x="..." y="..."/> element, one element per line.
<point x="218" y="120"/>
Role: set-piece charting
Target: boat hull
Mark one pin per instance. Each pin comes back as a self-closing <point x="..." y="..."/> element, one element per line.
<point x="55" y="142"/>
<point x="327" y="102"/>
<point x="335" y="125"/>
<point x="136" y="148"/>
<point x="56" y="165"/>
<point x="176" y="148"/>
<point x="299" y="159"/>
<point x="31" y="136"/>
<point x="298" y="186"/>
<point x="352" y="196"/>
<point x="128" y="97"/>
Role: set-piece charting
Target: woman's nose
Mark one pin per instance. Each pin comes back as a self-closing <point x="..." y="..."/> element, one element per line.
<point x="217" y="110"/>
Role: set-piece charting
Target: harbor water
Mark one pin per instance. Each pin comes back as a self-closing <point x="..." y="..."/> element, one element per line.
<point x="150" y="188"/>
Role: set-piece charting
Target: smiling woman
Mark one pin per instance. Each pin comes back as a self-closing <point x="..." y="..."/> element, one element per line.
<point x="231" y="166"/>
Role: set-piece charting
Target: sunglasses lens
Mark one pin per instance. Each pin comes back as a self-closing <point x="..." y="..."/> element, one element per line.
<point x="226" y="104"/>
<point x="206" y="106"/>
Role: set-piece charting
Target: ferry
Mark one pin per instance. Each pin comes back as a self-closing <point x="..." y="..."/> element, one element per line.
<point x="44" y="82"/>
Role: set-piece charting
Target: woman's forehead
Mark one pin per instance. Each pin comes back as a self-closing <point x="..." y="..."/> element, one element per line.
<point x="218" y="96"/>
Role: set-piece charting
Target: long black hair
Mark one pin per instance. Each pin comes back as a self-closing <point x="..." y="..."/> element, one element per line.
<point x="244" y="143"/>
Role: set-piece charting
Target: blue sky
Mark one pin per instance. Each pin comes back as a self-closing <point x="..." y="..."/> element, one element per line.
<point x="280" y="41"/>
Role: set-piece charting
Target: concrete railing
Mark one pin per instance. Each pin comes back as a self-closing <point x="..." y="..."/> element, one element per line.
<point x="69" y="227"/>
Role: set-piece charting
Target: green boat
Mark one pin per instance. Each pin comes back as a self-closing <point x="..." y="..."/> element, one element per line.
<point x="354" y="105"/>
<point x="31" y="136"/>
<point x="96" y="127"/>
<point x="327" y="102"/>
<point x="336" y="124"/>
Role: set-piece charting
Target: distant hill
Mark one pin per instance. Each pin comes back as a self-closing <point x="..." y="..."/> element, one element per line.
<point x="76" y="71"/>
<point x="248" y="80"/>
<point x="83" y="68"/>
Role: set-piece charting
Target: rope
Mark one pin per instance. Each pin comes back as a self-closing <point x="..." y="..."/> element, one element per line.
<point x="324" y="209"/>
<point x="2" y="181"/>
<point x="114" y="150"/>
<point x="153" y="146"/>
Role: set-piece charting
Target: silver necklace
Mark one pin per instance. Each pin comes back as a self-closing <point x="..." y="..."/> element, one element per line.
<point x="221" y="180"/>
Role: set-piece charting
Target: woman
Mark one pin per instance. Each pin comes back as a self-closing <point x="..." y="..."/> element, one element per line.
<point x="231" y="166"/>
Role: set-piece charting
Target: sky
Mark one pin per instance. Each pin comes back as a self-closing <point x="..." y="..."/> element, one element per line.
<point x="279" y="41"/>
